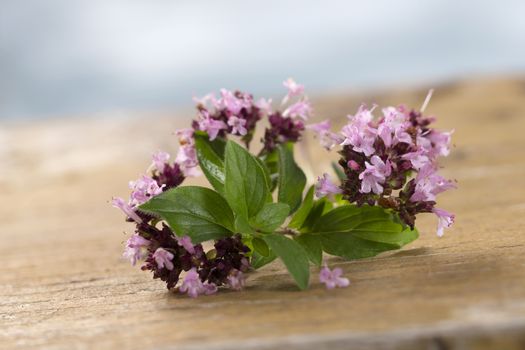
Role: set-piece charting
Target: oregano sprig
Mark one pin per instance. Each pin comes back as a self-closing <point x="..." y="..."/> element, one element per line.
<point x="257" y="208"/>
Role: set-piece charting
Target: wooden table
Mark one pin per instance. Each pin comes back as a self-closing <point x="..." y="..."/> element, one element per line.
<point x="64" y="285"/>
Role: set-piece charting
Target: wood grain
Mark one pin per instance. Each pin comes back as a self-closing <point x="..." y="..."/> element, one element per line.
<point x="64" y="286"/>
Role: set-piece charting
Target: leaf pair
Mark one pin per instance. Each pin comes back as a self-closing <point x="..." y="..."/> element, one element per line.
<point x="352" y="232"/>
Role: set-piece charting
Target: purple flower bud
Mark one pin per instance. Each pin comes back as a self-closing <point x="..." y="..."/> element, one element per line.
<point x="352" y="164"/>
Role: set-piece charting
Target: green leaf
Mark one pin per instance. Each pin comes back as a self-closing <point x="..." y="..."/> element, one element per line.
<point x="303" y="211"/>
<point x="198" y="212"/>
<point x="293" y="256"/>
<point x="271" y="216"/>
<point x="260" y="247"/>
<point x="358" y="232"/>
<point x="210" y="155"/>
<point x="259" y="261"/>
<point x="271" y="161"/>
<point x="243" y="226"/>
<point x="339" y="171"/>
<point x="312" y="245"/>
<point x="400" y="238"/>
<point x="291" y="178"/>
<point x="245" y="186"/>
<point x="349" y="217"/>
<point x="313" y="216"/>
<point x="348" y="246"/>
<point x="267" y="177"/>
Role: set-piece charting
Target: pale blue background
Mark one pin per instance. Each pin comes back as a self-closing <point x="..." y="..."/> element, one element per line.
<point x="83" y="57"/>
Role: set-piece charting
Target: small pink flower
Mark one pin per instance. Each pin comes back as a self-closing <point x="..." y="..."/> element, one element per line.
<point x="185" y="136"/>
<point x="386" y="134"/>
<point x="445" y="220"/>
<point x="326" y="187"/>
<point x="209" y="288"/>
<point x="327" y="138"/>
<point x="245" y="265"/>
<point x="301" y="109"/>
<point x="333" y="278"/>
<point x="395" y="118"/>
<point x="392" y="128"/>
<point x="264" y="105"/>
<point x="321" y="127"/>
<point x="160" y="159"/>
<point x="205" y="99"/>
<point x="294" y="89"/>
<point x="363" y="117"/>
<point x="230" y="102"/>
<point x="401" y="135"/>
<point x="185" y="242"/>
<point x="424" y="144"/>
<point x="211" y="126"/>
<point x="144" y="189"/>
<point x="191" y="172"/>
<point x="187" y="159"/>
<point x="429" y="184"/>
<point x="360" y="140"/>
<point x="121" y="204"/>
<point x="440" y="142"/>
<point x="237" y="125"/>
<point x="136" y="248"/>
<point x="163" y="258"/>
<point x="374" y="175"/>
<point x="383" y="168"/>
<point x="236" y="280"/>
<point x="193" y="286"/>
<point x="418" y="159"/>
<point x="187" y="156"/>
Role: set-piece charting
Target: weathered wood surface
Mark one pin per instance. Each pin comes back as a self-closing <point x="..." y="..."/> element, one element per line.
<point x="63" y="284"/>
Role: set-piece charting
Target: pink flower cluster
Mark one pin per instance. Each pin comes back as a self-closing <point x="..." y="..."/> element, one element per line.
<point x="237" y="113"/>
<point x="233" y="113"/>
<point x="391" y="161"/>
<point x="163" y="175"/>
<point x="141" y="191"/>
<point x="288" y="125"/>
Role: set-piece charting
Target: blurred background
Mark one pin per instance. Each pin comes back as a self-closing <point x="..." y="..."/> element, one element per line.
<point x="70" y="58"/>
<point x="89" y="89"/>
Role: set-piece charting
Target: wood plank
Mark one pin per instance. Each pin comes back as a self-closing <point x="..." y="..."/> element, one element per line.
<point x="63" y="284"/>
